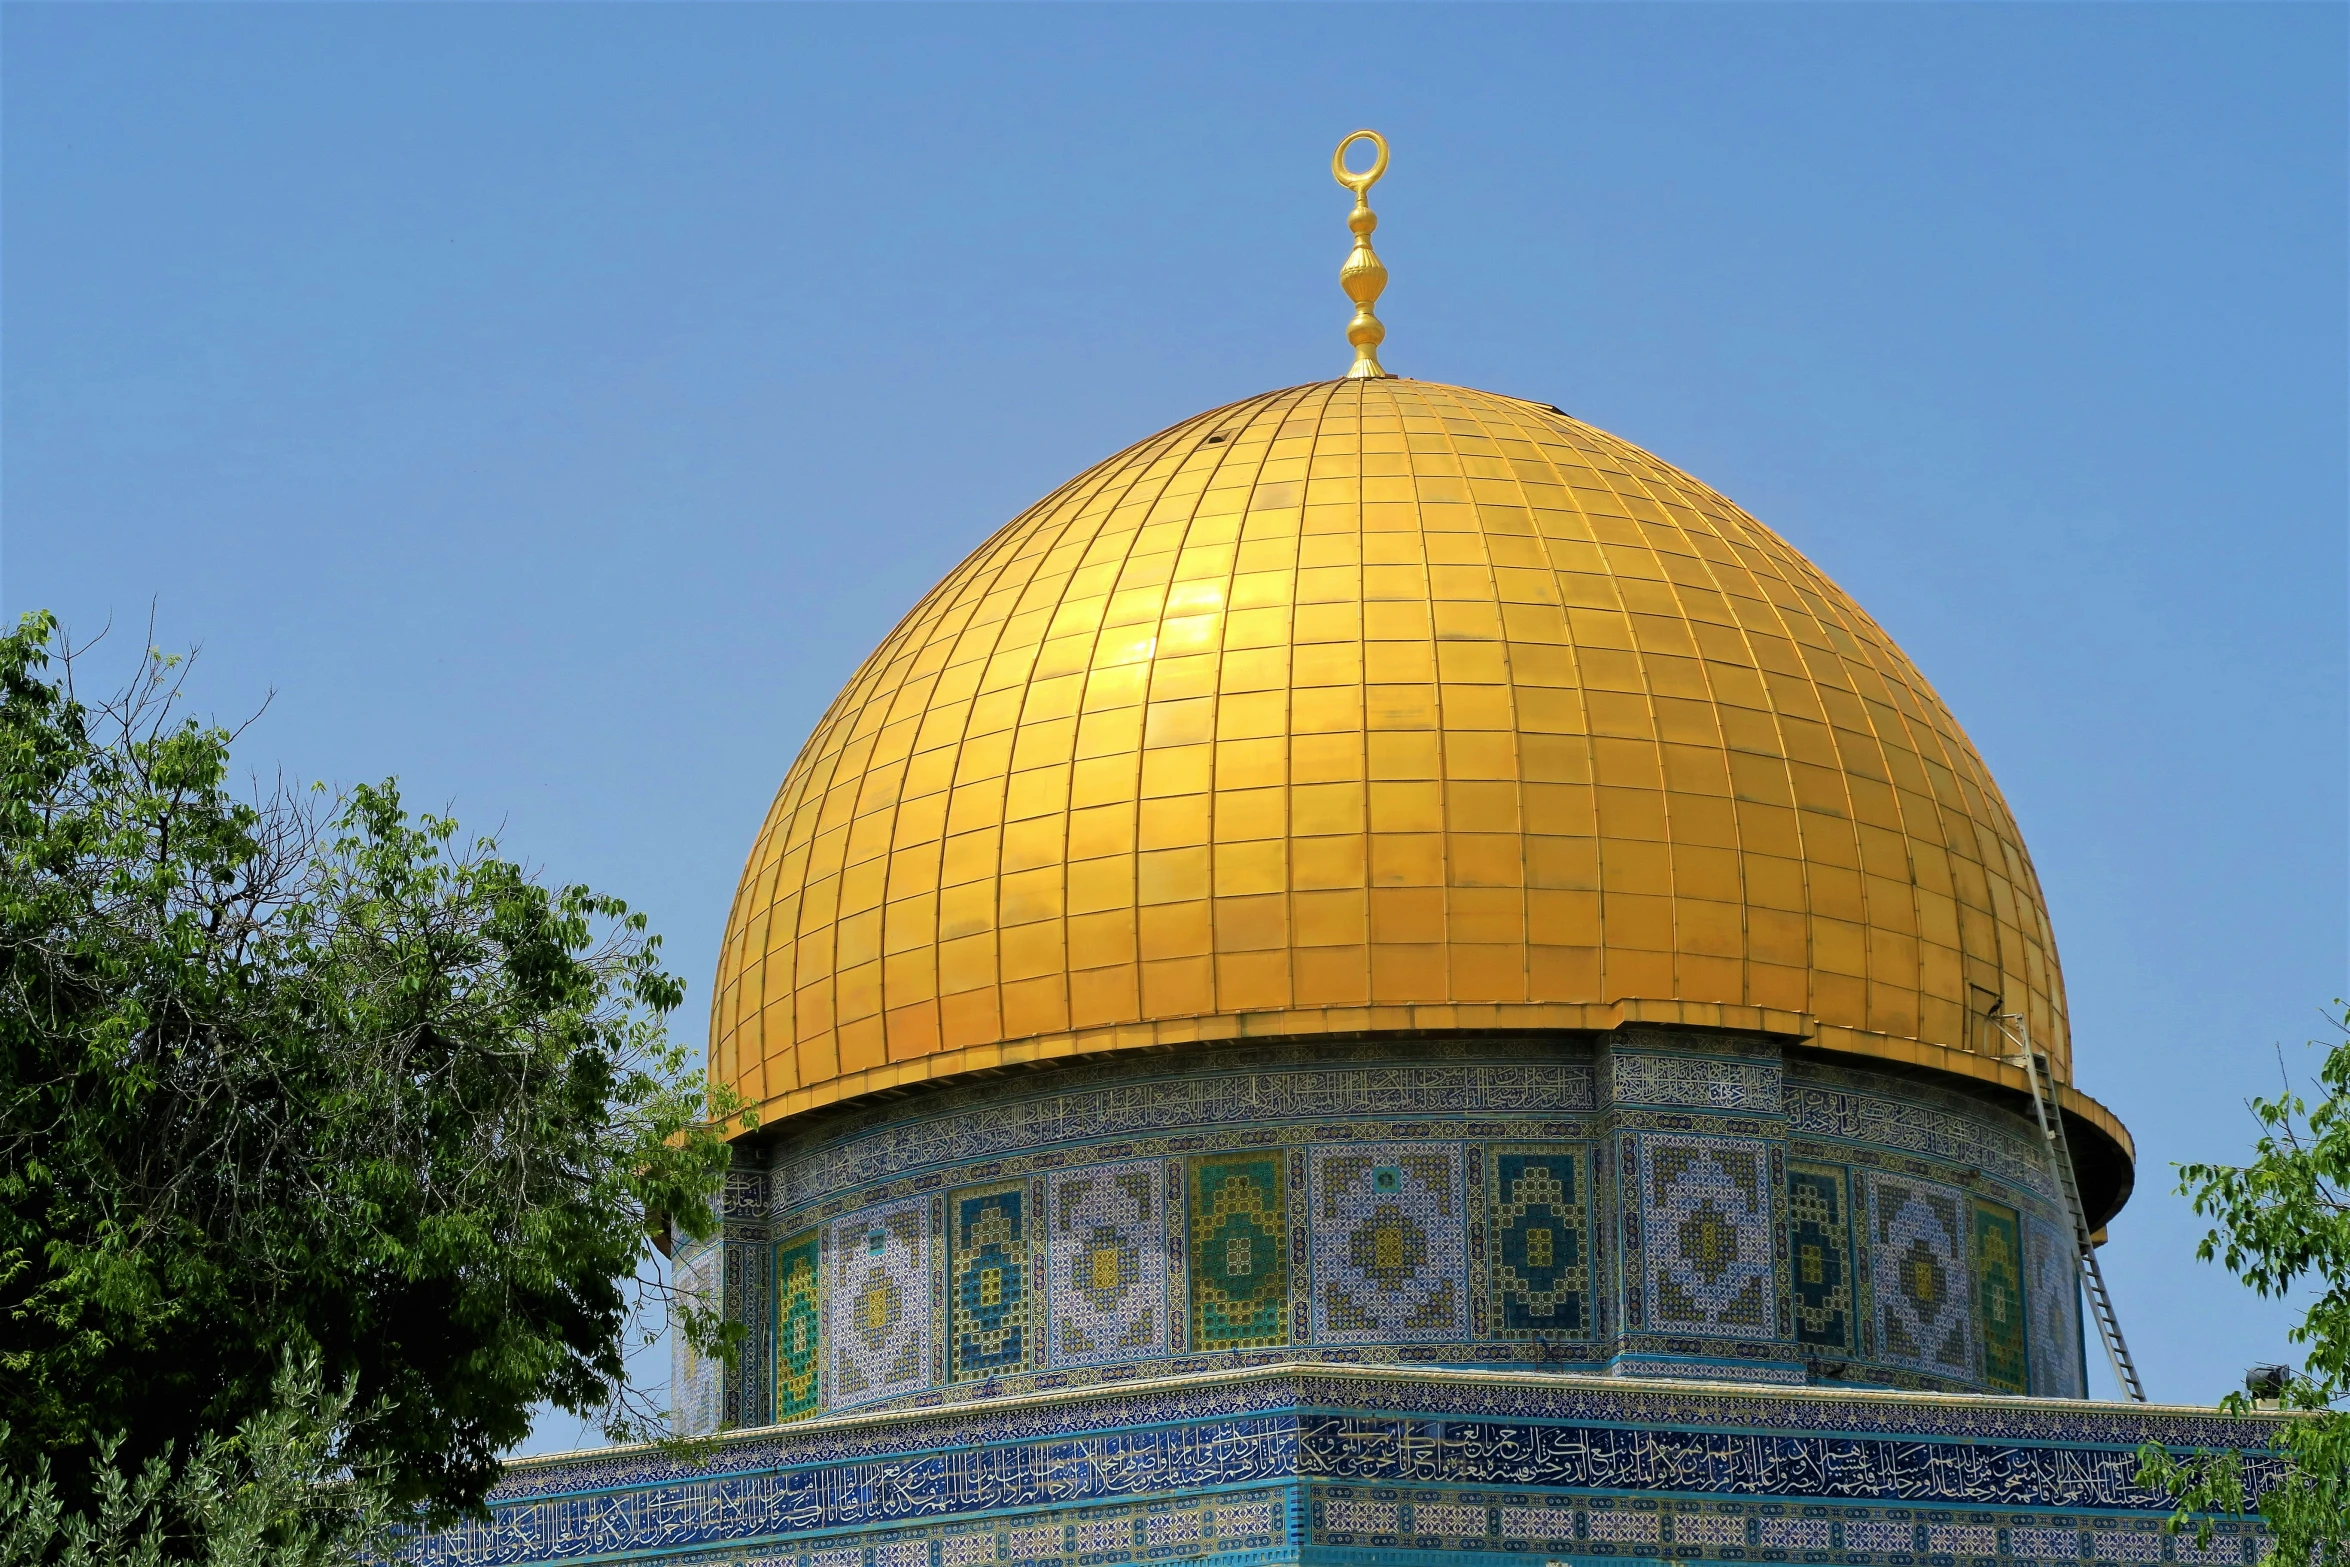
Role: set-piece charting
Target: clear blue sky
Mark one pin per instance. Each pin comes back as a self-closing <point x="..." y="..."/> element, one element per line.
<point x="553" y="404"/>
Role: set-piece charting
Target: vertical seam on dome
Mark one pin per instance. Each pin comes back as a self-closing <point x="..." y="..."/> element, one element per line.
<point x="1562" y="438"/>
<point x="1585" y="443"/>
<point x="1666" y="493"/>
<point x="1219" y="998"/>
<point x="1357" y="394"/>
<point x="1637" y="470"/>
<point x="1429" y="408"/>
<point x="1134" y="466"/>
<point x="1638" y="475"/>
<point x="1517" y="758"/>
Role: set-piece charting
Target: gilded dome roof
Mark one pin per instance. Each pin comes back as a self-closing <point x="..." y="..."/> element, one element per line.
<point x="1378" y="705"/>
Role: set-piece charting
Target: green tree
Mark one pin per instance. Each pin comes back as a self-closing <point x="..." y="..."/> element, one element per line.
<point x="2281" y="1224"/>
<point x="288" y="1076"/>
<point x="270" y="1494"/>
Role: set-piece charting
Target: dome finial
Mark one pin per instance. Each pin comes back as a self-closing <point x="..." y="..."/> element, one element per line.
<point x="1364" y="275"/>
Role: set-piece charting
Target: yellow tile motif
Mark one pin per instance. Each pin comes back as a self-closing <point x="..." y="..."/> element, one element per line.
<point x="1376" y="704"/>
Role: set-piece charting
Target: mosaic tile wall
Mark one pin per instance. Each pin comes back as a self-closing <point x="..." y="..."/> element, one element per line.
<point x="730" y="1271"/>
<point x="1106" y="1263"/>
<point x="1389" y="1233"/>
<point x="1540" y="1223"/>
<point x="988" y="1281"/>
<point x="1647" y="1203"/>
<point x="883" y="1306"/>
<point x="1372" y="1465"/>
<point x="695" y="1396"/>
<point x="1706" y="1218"/>
<point x="799" y="1326"/>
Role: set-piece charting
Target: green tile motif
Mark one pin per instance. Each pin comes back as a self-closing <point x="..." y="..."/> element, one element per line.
<point x="1239" y="1264"/>
<point x="1541" y="1245"/>
<point x="1819" y="1231"/>
<point x="989" y="1290"/>
<point x="1999" y="1297"/>
<point x="799" y="1329"/>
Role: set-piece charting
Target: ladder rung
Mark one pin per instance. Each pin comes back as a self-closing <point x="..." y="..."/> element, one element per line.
<point x="2048" y="1107"/>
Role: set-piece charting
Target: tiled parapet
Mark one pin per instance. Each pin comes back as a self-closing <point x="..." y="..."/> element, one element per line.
<point x="1384" y="1464"/>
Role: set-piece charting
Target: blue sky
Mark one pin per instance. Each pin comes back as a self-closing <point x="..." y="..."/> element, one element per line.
<point x="553" y="404"/>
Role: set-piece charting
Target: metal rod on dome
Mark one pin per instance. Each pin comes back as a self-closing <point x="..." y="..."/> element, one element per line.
<point x="1364" y="274"/>
<point x="2048" y="1105"/>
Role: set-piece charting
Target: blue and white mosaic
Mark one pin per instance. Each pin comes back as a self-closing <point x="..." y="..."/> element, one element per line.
<point x="1711" y="1081"/>
<point x="1088" y="1104"/>
<point x="1540" y="1231"/>
<point x="1106" y="1245"/>
<point x="2052" y="1304"/>
<point x="1627" y="1200"/>
<point x="1707" y="1221"/>
<point x="881" y="1317"/>
<point x="1861" y="1107"/>
<point x="989" y="1292"/>
<point x="1919" y="1275"/>
<point x="1390" y="1243"/>
<point x="1422" y="1461"/>
<point x="694" y="1390"/>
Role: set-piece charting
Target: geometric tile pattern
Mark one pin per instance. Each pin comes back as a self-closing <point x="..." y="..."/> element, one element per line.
<point x="1621" y="1528"/>
<point x="1107" y="1263"/>
<point x="1541" y="1246"/>
<point x="1705" y="1213"/>
<point x="1199" y="1472"/>
<point x="1390" y="1243"/>
<point x="1819" y="1231"/>
<point x="1239" y="1254"/>
<point x="880" y="1309"/>
<point x="988" y="1287"/>
<point x="694" y="1390"/>
<point x="748" y="1289"/>
<point x="1864" y="1107"/>
<point x="1918" y="1243"/>
<point x="1999" y="1297"/>
<point x="1247" y="1085"/>
<point x="799" y="1328"/>
<point x="1445" y="1200"/>
<point x="2052" y="1284"/>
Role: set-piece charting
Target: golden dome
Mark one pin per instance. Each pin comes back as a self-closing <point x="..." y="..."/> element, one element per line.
<point x="1378" y="705"/>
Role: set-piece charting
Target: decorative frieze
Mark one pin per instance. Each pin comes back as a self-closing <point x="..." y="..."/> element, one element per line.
<point x="1656" y="1202"/>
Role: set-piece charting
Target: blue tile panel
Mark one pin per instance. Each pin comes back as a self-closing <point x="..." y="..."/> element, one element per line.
<point x="1106" y="1252"/>
<point x="1390" y="1243"/>
<point x="989" y="1282"/>
<point x="1999" y="1297"/>
<point x="1661" y="1211"/>
<point x="694" y="1392"/>
<point x="1819" y="1248"/>
<point x="1541" y="1228"/>
<point x="799" y="1327"/>
<point x="1920" y="1276"/>
<point x="1708" y="1222"/>
<point x="881" y="1309"/>
<point x="1409" y="1462"/>
<point x="1238" y="1212"/>
<point x="2052" y="1307"/>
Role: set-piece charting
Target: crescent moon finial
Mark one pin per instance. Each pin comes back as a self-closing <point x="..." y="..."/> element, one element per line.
<point x="1364" y="275"/>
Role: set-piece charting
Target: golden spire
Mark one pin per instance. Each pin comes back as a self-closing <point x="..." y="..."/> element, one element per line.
<point x="1364" y="275"/>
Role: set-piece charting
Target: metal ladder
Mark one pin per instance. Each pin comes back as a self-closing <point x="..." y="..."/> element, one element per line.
<point x="2047" y="1106"/>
